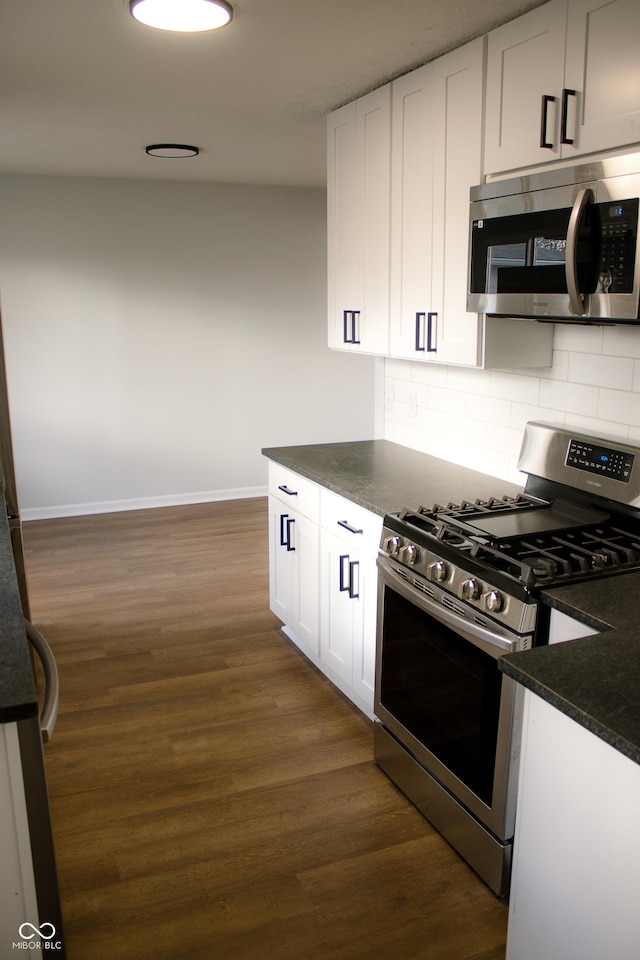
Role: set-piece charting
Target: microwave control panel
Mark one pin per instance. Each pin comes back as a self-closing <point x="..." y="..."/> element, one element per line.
<point x="618" y="232"/>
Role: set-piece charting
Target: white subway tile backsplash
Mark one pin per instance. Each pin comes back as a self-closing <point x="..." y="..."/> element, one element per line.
<point x="575" y="337"/>
<point x="504" y="440"/>
<point x="489" y="409"/>
<point x="441" y="398"/>
<point x="621" y="341"/>
<point x="469" y="380"/>
<point x="597" y="428"/>
<point x="514" y="386"/>
<point x="477" y="417"/>
<point x="615" y="372"/>
<point x="570" y="397"/>
<point x="619" y="406"/>
<point x="522" y="413"/>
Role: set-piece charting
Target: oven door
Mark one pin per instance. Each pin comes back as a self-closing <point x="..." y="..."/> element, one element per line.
<point x="439" y="691"/>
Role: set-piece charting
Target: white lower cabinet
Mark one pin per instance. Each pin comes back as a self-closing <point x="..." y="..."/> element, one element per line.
<point x="576" y="870"/>
<point x="348" y="584"/>
<point x="323" y="579"/>
<point x="293" y="554"/>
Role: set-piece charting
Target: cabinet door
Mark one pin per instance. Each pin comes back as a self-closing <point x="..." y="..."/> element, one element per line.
<point x="294" y="572"/>
<point x="603" y="68"/>
<point x="348" y="616"/>
<point x="341" y="610"/>
<point x="358" y="183"/>
<point x="412" y="159"/>
<point x="457" y="135"/>
<point x="281" y="560"/>
<point x="436" y="158"/>
<point x="525" y="65"/>
<point x="343" y="287"/>
<point x="364" y="636"/>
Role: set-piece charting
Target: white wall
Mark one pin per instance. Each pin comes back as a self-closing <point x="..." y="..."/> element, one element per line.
<point x="477" y="417"/>
<point x="159" y="334"/>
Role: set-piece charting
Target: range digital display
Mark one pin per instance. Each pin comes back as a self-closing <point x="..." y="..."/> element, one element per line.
<point x="607" y="461"/>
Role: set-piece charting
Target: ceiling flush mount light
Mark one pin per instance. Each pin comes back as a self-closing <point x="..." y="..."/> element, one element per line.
<point x="184" y="16"/>
<point x="172" y="151"/>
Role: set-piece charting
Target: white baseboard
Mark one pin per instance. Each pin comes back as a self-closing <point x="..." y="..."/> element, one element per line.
<point x="142" y="503"/>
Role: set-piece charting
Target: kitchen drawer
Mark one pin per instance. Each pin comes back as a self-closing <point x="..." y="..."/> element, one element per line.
<point x="297" y="492"/>
<point x="359" y="528"/>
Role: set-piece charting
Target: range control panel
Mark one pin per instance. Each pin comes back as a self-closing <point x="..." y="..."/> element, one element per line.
<point x="606" y="461"/>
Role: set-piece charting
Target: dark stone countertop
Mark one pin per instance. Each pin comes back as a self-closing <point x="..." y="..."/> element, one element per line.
<point x="594" y="680"/>
<point x="385" y="477"/>
<point x="18" y="698"/>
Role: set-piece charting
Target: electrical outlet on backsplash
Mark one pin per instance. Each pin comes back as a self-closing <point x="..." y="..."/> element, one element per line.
<point x="476" y="417"/>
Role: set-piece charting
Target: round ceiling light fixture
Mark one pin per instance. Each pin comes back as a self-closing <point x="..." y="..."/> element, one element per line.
<point x="172" y="151"/>
<point x="183" y="16"/>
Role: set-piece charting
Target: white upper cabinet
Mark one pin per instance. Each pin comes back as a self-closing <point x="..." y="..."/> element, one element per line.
<point x="436" y="157"/>
<point x="525" y="73"/>
<point x="603" y="67"/>
<point x="562" y="80"/>
<point x="358" y="183"/>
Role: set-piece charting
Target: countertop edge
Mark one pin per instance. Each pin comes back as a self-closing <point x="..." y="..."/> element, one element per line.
<point x="534" y="670"/>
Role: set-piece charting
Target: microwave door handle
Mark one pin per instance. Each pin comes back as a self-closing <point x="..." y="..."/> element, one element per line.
<point x="576" y="299"/>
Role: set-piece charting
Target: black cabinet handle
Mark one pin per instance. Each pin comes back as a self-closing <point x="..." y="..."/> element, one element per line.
<point x="546" y="100"/>
<point x="347" y="526"/>
<point x="344" y="580"/>
<point x="354" y="568"/>
<point x="566" y="93"/>
<point x="420" y="319"/>
<point x="286" y="526"/>
<point x="285" y="489"/>
<point x="350" y="325"/>
<point x="348" y="571"/>
<point x="432" y="333"/>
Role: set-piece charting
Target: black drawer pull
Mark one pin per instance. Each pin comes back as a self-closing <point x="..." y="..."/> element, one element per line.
<point x="347" y="526"/>
<point x="285" y="489"/>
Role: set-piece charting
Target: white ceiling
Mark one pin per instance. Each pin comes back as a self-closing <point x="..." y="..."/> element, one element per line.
<point x="84" y="87"/>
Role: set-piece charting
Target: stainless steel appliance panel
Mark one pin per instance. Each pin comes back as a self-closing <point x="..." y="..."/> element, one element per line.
<point x="558" y="245"/>
<point x="440" y="693"/>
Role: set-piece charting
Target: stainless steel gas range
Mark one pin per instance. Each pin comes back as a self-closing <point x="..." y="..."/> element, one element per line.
<point x="459" y="587"/>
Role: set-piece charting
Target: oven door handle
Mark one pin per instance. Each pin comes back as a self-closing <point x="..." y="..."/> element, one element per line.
<point x="491" y="642"/>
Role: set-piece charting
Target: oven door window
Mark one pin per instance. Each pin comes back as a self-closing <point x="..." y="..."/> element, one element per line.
<point x="443" y="690"/>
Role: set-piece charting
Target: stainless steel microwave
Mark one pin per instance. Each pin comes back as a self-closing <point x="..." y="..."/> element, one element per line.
<point x="558" y="245"/>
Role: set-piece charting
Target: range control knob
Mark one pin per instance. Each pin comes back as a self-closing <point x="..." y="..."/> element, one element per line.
<point x="470" y="589"/>
<point x="409" y="554"/>
<point x="493" y="601"/>
<point x="438" y="571"/>
<point x="391" y="545"/>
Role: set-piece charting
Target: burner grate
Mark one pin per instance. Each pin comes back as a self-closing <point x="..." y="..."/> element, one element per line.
<point x="574" y="555"/>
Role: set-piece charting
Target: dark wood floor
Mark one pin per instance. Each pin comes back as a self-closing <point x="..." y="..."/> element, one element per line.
<point x="212" y="795"/>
